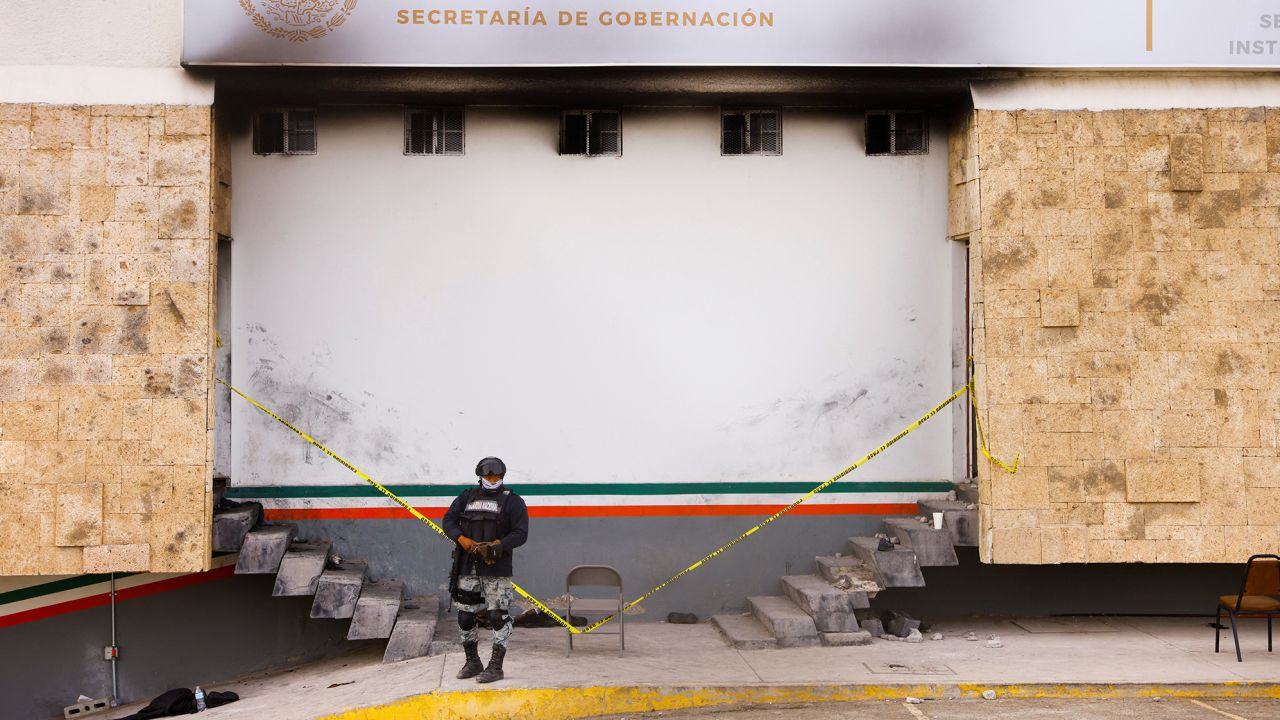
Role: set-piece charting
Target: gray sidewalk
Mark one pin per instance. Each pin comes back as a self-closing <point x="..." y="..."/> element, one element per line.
<point x="1102" y="652"/>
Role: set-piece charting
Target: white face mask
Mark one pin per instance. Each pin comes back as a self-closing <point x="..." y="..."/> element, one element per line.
<point x="485" y="484"/>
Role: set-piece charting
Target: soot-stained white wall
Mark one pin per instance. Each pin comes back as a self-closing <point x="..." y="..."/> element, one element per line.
<point x="671" y="315"/>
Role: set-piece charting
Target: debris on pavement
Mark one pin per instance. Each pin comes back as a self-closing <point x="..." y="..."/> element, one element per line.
<point x="988" y="694"/>
<point x="993" y="641"/>
<point x="899" y="623"/>
<point x="682" y="618"/>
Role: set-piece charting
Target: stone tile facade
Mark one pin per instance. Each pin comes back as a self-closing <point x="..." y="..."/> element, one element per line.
<point x="1125" y="276"/>
<point x="105" y="333"/>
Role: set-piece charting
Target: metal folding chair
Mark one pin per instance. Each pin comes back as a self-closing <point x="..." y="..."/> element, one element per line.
<point x="1259" y="596"/>
<point x="595" y="576"/>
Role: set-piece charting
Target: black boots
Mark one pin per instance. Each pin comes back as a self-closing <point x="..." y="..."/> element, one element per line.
<point x="494" y="671"/>
<point x="473" y="667"/>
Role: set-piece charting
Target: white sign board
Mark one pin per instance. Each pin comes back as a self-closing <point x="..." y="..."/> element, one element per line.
<point x="965" y="33"/>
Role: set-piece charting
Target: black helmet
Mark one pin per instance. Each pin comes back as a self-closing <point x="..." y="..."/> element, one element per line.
<point x="491" y="466"/>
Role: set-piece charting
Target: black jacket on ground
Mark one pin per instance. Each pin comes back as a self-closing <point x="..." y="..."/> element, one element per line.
<point x="513" y="531"/>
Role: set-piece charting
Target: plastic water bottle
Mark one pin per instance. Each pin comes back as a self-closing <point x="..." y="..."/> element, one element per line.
<point x="200" y="706"/>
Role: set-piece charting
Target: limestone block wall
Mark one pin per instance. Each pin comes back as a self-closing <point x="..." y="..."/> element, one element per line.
<point x="105" y="317"/>
<point x="1125" y="275"/>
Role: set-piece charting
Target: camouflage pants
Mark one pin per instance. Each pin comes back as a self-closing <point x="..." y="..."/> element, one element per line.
<point x="497" y="596"/>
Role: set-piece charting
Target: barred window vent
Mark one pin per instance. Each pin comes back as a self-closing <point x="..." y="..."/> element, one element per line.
<point x="284" y="132"/>
<point x="591" y="132"/>
<point x="897" y="133"/>
<point x="434" y="131"/>
<point x="750" y="132"/>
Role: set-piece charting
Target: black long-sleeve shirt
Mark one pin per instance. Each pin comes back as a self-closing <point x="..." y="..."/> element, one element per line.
<point x="515" y="518"/>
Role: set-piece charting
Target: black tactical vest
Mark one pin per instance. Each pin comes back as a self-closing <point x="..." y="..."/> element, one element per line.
<point x="484" y="517"/>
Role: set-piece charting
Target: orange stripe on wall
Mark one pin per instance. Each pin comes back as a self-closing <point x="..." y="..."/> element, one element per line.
<point x="122" y="595"/>
<point x="590" y="511"/>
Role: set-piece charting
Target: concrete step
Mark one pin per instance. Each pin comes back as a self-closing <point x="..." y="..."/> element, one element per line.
<point x="264" y="548"/>
<point x="448" y="637"/>
<point x="744" y="632"/>
<point x="842" y="639"/>
<point x="967" y="492"/>
<point x="414" y="630"/>
<point x="301" y="568"/>
<point x="933" y="548"/>
<point x="337" y="591"/>
<point x="790" y="625"/>
<point x="834" y="567"/>
<point x="894" y="568"/>
<point x="376" y="610"/>
<point x="230" y="526"/>
<point x="957" y="519"/>
<point x="831" y="608"/>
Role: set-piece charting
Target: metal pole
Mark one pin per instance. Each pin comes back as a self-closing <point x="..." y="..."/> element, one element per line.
<point x="115" y="689"/>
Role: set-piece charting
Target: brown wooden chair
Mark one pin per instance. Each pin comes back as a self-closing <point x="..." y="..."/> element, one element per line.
<point x="1259" y="597"/>
<point x="601" y="576"/>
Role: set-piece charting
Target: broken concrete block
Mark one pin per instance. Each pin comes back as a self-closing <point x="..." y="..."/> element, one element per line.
<point x="230" y="526"/>
<point x="893" y="568"/>
<point x="832" y="609"/>
<point x="790" y="625"/>
<point x="848" y="573"/>
<point x="264" y="548"/>
<point x="414" y="630"/>
<point x="376" y="610"/>
<point x="933" y="548"/>
<point x="957" y="518"/>
<point x="300" y="569"/>
<point x="337" y="591"/>
<point x="899" y="624"/>
<point x="682" y="618"/>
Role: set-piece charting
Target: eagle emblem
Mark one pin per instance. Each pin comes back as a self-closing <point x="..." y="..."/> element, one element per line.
<point x="298" y="20"/>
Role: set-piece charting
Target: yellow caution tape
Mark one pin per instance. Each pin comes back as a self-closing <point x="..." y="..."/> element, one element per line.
<point x="382" y="488"/>
<point x="982" y="438"/>
<point x="707" y="558"/>
<point x="977" y="421"/>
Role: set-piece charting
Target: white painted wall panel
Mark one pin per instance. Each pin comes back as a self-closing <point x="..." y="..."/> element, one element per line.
<point x="672" y="315"/>
<point x="121" y="33"/>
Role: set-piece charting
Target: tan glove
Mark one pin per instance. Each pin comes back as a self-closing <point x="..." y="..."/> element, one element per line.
<point x="467" y="544"/>
<point x="489" y="551"/>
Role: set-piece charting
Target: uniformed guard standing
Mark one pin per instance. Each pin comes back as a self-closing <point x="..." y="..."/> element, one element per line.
<point x="487" y="522"/>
